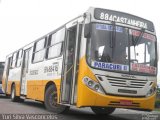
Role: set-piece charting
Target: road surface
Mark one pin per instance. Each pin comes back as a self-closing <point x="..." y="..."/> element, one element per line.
<point x="13" y="110"/>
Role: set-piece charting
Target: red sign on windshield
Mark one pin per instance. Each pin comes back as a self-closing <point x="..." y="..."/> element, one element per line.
<point x="145" y="35"/>
<point x="143" y="68"/>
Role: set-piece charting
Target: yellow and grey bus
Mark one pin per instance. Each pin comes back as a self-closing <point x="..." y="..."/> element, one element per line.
<point x="102" y="59"/>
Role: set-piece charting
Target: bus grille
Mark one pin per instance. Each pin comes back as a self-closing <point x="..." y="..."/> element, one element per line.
<point x="126" y="82"/>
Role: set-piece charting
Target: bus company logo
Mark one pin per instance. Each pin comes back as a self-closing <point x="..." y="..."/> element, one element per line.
<point x="128" y="83"/>
<point x="150" y="117"/>
<point x="128" y="76"/>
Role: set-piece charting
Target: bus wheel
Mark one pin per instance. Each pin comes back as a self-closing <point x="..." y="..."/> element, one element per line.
<point x="13" y="94"/>
<point x="103" y="110"/>
<point x="50" y="101"/>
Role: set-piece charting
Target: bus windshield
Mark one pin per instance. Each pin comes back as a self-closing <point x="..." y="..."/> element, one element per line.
<point x="121" y="49"/>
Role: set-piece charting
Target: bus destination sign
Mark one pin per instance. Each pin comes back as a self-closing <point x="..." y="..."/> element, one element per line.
<point x="124" y="18"/>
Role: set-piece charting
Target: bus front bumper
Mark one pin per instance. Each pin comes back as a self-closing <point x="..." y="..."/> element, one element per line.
<point x="88" y="97"/>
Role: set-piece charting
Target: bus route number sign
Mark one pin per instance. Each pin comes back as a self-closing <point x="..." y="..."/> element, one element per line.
<point x="124" y="18"/>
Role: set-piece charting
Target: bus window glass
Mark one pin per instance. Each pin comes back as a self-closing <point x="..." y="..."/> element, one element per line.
<point x="39" y="52"/>
<point x="58" y="36"/>
<point x="104" y="47"/>
<point x="19" y="58"/>
<point x="40" y="45"/>
<point x="54" y="51"/>
<point x="14" y="60"/>
<point x="53" y="38"/>
<point x="142" y="52"/>
<point x="39" y="56"/>
<point x="14" y="56"/>
<point x="55" y="44"/>
<point x="20" y="54"/>
<point x="109" y="48"/>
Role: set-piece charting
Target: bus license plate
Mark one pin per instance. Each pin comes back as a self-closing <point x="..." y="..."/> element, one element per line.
<point x="125" y="102"/>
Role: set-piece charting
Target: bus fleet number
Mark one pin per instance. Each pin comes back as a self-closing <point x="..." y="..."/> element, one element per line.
<point x="48" y="69"/>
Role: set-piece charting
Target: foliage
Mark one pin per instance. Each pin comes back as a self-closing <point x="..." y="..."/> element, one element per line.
<point x="158" y="90"/>
<point x="157" y="103"/>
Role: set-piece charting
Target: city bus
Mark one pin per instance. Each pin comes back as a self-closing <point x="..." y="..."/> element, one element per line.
<point x="1" y="73"/>
<point x="102" y="59"/>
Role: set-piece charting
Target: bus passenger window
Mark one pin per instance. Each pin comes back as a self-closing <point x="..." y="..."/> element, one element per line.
<point x="19" y="60"/>
<point x="58" y="36"/>
<point x="54" y="48"/>
<point x="13" y="64"/>
<point x="54" y="51"/>
<point x="39" y="51"/>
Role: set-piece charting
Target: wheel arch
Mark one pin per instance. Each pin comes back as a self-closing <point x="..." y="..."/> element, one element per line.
<point x="49" y="84"/>
<point x="56" y="84"/>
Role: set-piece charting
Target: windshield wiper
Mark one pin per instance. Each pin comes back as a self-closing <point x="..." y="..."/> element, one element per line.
<point x="113" y="35"/>
<point x="137" y="40"/>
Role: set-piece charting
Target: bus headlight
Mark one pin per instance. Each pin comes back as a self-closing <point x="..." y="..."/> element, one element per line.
<point x="151" y="91"/>
<point x="93" y="85"/>
<point x="90" y="83"/>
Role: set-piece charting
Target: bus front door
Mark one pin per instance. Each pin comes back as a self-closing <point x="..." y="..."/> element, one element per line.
<point x="25" y="71"/>
<point x="70" y="66"/>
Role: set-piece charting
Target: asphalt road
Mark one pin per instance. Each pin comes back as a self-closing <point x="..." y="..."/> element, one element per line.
<point x="13" y="110"/>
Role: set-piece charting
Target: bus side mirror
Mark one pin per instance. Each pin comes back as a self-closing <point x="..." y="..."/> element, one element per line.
<point x="87" y="31"/>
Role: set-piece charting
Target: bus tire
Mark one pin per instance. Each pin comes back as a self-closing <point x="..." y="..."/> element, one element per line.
<point x="8" y="96"/>
<point x="103" y="110"/>
<point x="50" y="101"/>
<point x="20" y="100"/>
<point x="13" y="94"/>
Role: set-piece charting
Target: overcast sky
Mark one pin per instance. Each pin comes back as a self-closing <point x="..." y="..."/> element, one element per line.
<point x="22" y="21"/>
